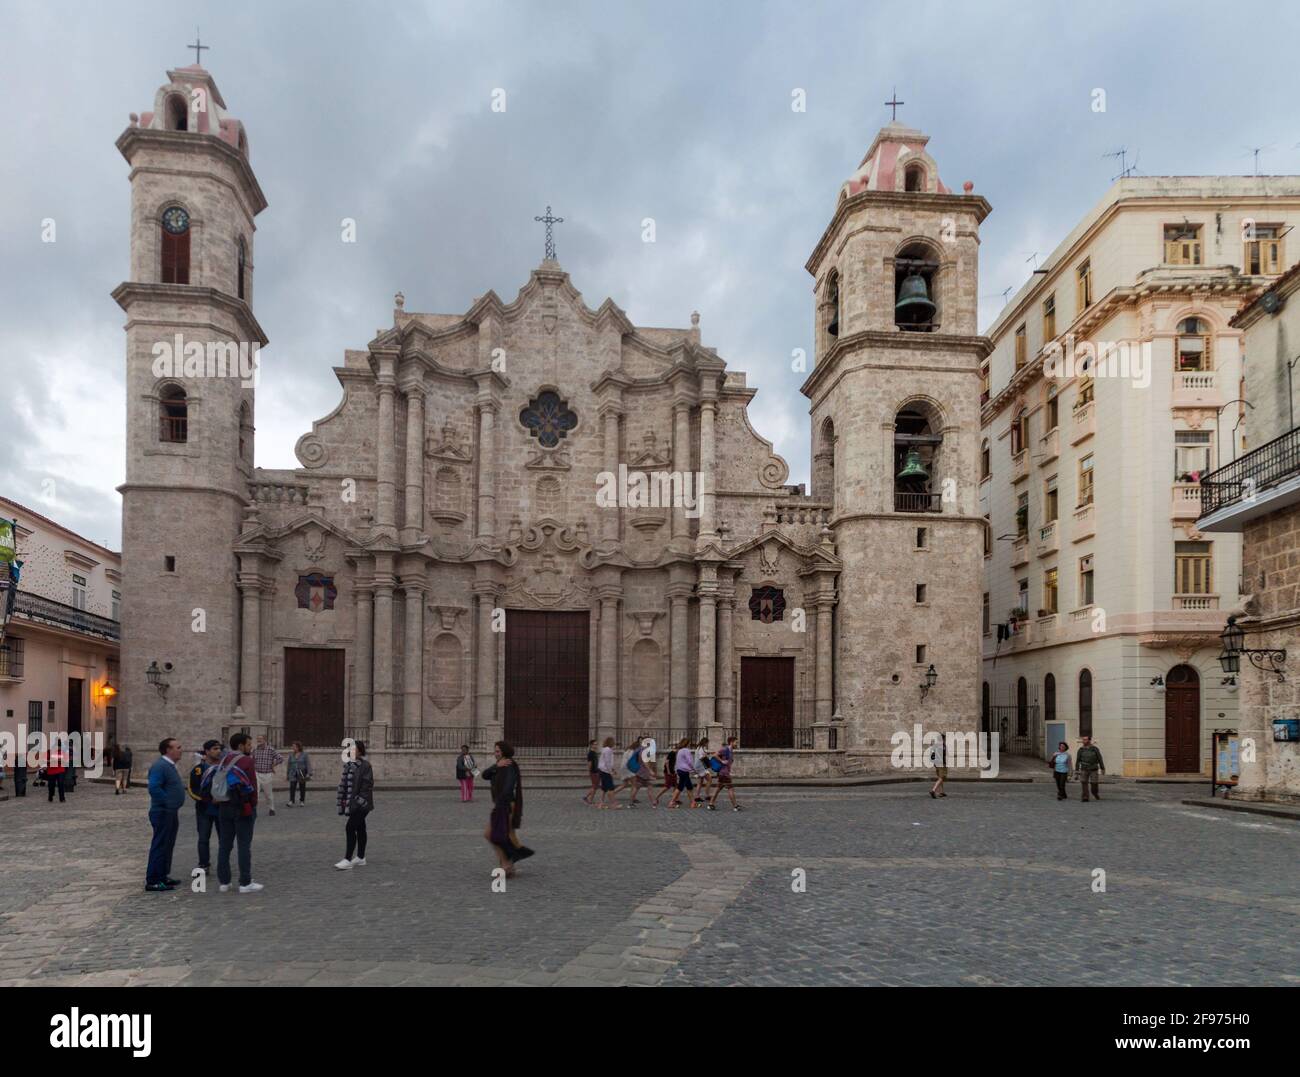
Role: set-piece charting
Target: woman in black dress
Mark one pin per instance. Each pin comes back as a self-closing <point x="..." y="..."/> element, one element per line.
<point x="507" y="808"/>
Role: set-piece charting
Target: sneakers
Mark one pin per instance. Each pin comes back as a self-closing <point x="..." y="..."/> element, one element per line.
<point x="713" y="807"/>
<point x="159" y="888"/>
<point x="224" y="888"/>
<point x="251" y="888"/>
<point x="272" y="811"/>
<point x="736" y="808"/>
<point x="358" y="861"/>
<point x="344" y="865"/>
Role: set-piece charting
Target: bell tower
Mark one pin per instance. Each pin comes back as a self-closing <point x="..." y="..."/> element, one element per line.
<point x="895" y="405"/>
<point x="192" y="346"/>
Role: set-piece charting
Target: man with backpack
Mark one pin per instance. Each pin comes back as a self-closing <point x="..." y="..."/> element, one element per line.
<point x="232" y="784"/>
<point x="205" y="812"/>
<point x="725" y="757"/>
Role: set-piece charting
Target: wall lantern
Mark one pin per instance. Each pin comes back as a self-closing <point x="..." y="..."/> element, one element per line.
<point x="1158" y="683"/>
<point x="930" y="678"/>
<point x="1265" y="659"/>
<point x="154" y="676"/>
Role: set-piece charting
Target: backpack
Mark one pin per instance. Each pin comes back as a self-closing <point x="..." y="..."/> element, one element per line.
<point x="197" y="773"/>
<point x="715" y="764"/>
<point x="226" y="781"/>
<point x="633" y="763"/>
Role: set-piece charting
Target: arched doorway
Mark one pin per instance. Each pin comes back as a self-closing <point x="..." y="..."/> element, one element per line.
<point x="1182" y="721"/>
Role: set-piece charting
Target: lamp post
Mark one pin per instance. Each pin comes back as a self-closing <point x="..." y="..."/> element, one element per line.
<point x="1218" y="431"/>
<point x="1265" y="659"/>
<point x="154" y="676"/>
<point x="930" y="678"/>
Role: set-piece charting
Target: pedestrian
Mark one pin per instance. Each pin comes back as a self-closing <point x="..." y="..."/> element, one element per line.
<point x="593" y="768"/>
<point x="725" y="757"/>
<point x="122" y="760"/>
<point x="55" y="768"/>
<point x="606" y="769"/>
<point x="939" y="757"/>
<point x="1089" y="764"/>
<point x="466" y="772"/>
<point x="265" y="760"/>
<point x="639" y="773"/>
<point x="507" y="808"/>
<point x="205" y="812"/>
<point x="685" y="763"/>
<point x="356" y="799"/>
<point x="1060" y="764"/>
<point x="670" y="777"/>
<point x="701" y="771"/>
<point x="20" y="769"/>
<point x="298" y="771"/>
<point x="166" y="795"/>
<point x="233" y="786"/>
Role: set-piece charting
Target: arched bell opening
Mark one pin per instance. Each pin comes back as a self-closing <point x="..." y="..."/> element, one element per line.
<point x="916" y="275"/>
<point x="917" y="450"/>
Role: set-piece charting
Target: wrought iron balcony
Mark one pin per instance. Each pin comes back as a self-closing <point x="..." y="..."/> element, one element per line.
<point x="905" y="502"/>
<point x="1247" y="479"/>
<point x="41" y="610"/>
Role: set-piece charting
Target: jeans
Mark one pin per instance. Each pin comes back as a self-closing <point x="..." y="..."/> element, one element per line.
<point x="205" y="821"/>
<point x="165" y="823"/>
<point x="298" y="785"/>
<point x="356" y="835"/>
<point x="234" y="830"/>
<point x="1061" y="778"/>
<point x="1086" y="776"/>
<point x="52" y="782"/>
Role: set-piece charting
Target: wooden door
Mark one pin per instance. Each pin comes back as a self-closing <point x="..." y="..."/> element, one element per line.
<point x="313" y="696"/>
<point x="767" y="702"/>
<point x="547" y="678"/>
<point x="1182" y="721"/>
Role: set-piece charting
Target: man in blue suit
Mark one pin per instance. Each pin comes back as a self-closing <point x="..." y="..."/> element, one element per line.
<point x="166" y="795"/>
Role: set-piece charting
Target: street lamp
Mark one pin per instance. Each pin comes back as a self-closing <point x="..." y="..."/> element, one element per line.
<point x="930" y="678"/>
<point x="1265" y="659"/>
<point x="154" y="676"/>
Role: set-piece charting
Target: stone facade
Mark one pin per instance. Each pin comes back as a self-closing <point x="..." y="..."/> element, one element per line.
<point x="539" y="455"/>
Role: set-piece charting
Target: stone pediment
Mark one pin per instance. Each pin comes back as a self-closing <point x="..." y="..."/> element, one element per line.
<point x="772" y="544"/>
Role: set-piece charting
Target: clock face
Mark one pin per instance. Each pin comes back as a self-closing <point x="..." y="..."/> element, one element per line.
<point x="176" y="221"/>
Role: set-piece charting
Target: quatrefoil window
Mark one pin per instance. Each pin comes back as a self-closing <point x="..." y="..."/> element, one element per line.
<point x="548" y="419"/>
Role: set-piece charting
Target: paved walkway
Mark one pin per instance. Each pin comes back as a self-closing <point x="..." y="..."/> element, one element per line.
<point x="994" y="885"/>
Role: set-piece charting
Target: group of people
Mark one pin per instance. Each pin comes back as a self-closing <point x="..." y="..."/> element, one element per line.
<point x="507" y="814"/>
<point x="690" y="768"/>
<point x="226" y="783"/>
<point x="1088" y="766"/>
<point x="55" y="771"/>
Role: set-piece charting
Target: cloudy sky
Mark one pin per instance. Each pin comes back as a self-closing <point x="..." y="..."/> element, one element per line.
<point x="615" y="112"/>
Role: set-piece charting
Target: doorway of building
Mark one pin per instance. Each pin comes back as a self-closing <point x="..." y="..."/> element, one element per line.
<point x="313" y="696"/>
<point x="547" y="681"/>
<point x="1182" y="721"/>
<point x="767" y="702"/>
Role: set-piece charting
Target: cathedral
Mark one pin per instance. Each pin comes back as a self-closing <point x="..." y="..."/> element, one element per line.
<point x="538" y="521"/>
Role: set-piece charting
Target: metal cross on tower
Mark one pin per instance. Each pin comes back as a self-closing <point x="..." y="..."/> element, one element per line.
<point x="198" y="48"/>
<point x="893" y="106"/>
<point x="550" y="234"/>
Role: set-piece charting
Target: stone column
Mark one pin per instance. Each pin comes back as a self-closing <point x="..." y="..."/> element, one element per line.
<point x="382" y="713"/>
<point x="486" y="471"/>
<point x="413" y="666"/>
<point x="678" y="683"/>
<point x="250" y="667"/>
<point x="726" y="712"/>
<point x="609" y="514"/>
<point x="485" y="663"/>
<point x="362" y="685"/>
<point x="825" y="660"/>
<point x="414" y="459"/>
<point x="708" y="689"/>
<point x="609" y="659"/>
<point x="386" y="469"/>
<point x="708" y="470"/>
<point x="681" y="527"/>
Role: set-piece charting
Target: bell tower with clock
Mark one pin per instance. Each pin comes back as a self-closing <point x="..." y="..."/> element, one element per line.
<point x="192" y="347"/>
<point x="895" y="403"/>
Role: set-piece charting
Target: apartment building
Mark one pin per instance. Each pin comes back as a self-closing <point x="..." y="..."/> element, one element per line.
<point x="1113" y="386"/>
<point x="59" y="658"/>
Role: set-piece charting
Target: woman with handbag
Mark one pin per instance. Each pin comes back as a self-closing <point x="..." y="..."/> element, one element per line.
<point x="356" y="800"/>
<point x="507" y="809"/>
<point x="466" y="772"/>
<point x="299" y="770"/>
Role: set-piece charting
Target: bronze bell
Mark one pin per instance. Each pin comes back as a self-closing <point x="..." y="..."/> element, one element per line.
<point x="913" y="468"/>
<point x="834" y="328"/>
<point x="913" y="306"/>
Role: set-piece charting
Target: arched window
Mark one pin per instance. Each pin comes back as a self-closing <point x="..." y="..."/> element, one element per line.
<point x="175" y="224"/>
<point x="173" y="414"/>
<point x="1085" y="703"/>
<point x="1022" y="707"/>
<point x="917" y="442"/>
<point x="245" y="434"/>
<point x="916" y="298"/>
<point x="833" y="301"/>
<point x="1193" y="346"/>
<point x="177" y="116"/>
<point x="1049" y="698"/>
<point x="241" y="260"/>
<point x="824" y="464"/>
<point x="914" y="178"/>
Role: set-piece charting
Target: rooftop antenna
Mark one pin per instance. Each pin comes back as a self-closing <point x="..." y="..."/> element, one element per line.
<point x="1006" y="292"/>
<point x="1125" y="169"/>
<point x="1256" y="151"/>
<point x="1033" y="258"/>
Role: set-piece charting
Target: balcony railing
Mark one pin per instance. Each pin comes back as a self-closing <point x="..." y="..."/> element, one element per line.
<point x="1249" y="475"/>
<point x="46" y="611"/>
<point x="917" y="502"/>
